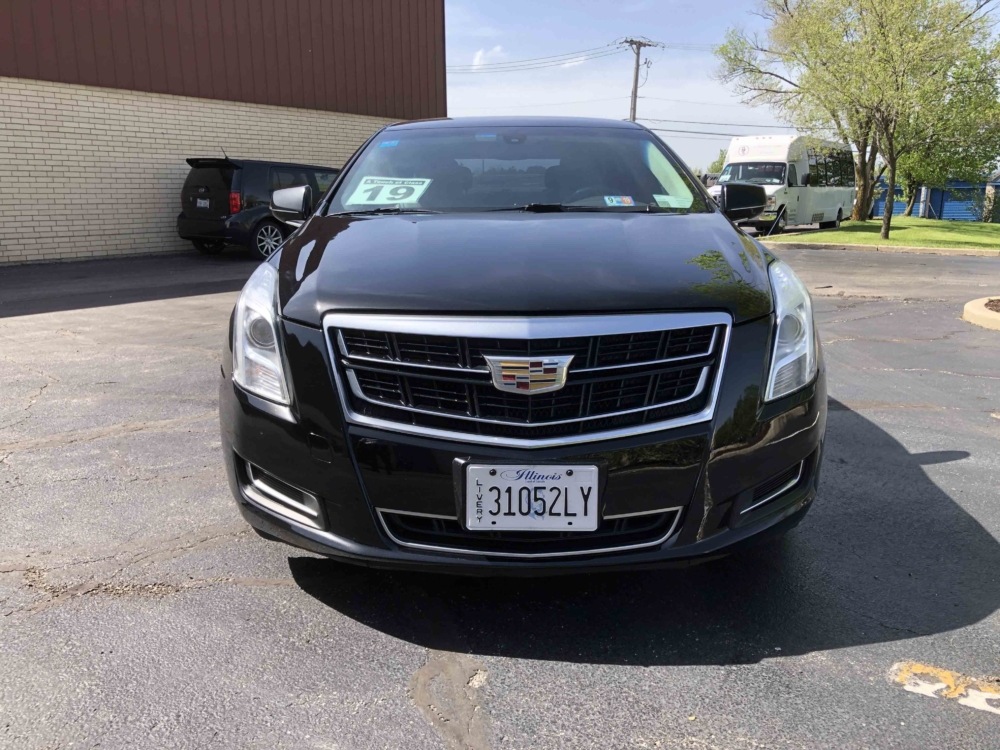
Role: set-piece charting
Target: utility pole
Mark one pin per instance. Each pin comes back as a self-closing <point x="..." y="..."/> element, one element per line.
<point x="637" y="44"/>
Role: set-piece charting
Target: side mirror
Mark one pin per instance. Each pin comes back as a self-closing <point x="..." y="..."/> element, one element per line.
<point x="292" y="205"/>
<point x="739" y="200"/>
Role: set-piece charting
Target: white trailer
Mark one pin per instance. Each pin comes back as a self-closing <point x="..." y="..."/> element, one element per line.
<point x="807" y="181"/>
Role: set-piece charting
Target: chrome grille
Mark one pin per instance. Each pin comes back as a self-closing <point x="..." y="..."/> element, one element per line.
<point x="428" y="375"/>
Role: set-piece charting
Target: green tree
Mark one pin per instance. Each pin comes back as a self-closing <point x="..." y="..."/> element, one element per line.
<point x="802" y="67"/>
<point x="922" y="58"/>
<point x="965" y="141"/>
<point x="716" y="166"/>
<point x="884" y="75"/>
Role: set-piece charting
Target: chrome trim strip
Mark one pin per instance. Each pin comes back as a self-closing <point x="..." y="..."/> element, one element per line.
<point x="664" y="322"/>
<point x="640" y="513"/>
<point x="486" y="370"/>
<point x="266" y="489"/>
<point x="265" y="503"/>
<point x="537" y="555"/>
<point x="779" y="491"/>
<point x="356" y="390"/>
<point x="412" y="513"/>
<point x="525" y="328"/>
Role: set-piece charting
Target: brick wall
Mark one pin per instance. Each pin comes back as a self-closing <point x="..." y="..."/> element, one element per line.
<point x="89" y="172"/>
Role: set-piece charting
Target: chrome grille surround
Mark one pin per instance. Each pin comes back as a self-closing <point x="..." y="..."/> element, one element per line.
<point x="524" y="329"/>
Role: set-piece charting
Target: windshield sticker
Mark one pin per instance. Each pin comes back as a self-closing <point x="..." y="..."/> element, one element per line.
<point x="673" y="201"/>
<point x="388" y="144"/>
<point x="619" y="200"/>
<point x="486" y="136"/>
<point x="385" y="191"/>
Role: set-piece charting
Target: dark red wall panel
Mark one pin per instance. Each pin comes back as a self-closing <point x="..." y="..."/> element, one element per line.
<point x="371" y="57"/>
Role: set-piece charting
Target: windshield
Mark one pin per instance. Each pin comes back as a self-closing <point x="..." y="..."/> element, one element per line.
<point x="489" y="169"/>
<point x="761" y="172"/>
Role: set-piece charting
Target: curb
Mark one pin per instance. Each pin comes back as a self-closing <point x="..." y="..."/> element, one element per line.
<point x="973" y="251"/>
<point x="976" y="313"/>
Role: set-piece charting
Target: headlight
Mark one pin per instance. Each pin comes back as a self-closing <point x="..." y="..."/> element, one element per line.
<point x="770" y="203"/>
<point x="793" y="362"/>
<point x="257" y="364"/>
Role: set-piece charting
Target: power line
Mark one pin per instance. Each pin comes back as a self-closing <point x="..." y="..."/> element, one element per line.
<point x="687" y="101"/>
<point x="555" y="104"/>
<point x="538" y="66"/>
<point x="529" y="60"/>
<point x="699" y="132"/>
<point x="724" y="124"/>
<point x="593" y="53"/>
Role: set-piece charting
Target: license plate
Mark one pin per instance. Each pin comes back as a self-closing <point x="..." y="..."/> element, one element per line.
<point x="530" y="498"/>
<point x="202" y="202"/>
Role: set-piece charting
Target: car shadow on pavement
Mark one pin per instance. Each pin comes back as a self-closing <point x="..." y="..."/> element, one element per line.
<point x="884" y="555"/>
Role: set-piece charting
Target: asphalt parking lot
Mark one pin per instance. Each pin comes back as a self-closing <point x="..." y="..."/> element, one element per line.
<point x="137" y="609"/>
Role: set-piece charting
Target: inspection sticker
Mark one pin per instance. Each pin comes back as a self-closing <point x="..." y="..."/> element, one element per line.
<point x="381" y="191"/>
<point x="619" y="200"/>
<point x="388" y="144"/>
<point x="672" y="201"/>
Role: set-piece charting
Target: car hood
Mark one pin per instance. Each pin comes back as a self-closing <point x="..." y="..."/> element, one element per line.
<point x="521" y="263"/>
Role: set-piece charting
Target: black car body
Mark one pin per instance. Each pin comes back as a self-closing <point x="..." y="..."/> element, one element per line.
<point x="227" y="201"/>
<point x="384" y="322"/>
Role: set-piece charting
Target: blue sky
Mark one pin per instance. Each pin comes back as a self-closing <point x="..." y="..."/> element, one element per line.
<point x="679" y="86"/>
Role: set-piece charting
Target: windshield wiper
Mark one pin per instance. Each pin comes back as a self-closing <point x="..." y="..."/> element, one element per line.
<point x="538" y="208"/>
<point x="383" y="210"/>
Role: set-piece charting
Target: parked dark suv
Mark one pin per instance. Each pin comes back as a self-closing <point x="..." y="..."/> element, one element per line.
<point x="227" y="201"/>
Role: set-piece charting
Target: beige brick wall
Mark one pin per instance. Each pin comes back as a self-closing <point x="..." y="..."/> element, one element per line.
<point x="88" y="172"/>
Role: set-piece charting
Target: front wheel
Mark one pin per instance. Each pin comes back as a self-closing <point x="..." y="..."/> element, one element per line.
<point x="266" y="239"/>
<point x="833" y="224"/>
<point x="778" y="225"/>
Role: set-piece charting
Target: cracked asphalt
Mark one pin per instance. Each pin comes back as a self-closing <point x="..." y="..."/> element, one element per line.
<point x="137" y="610"/>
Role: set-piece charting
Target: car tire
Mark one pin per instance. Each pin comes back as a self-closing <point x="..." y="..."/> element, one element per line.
<point x="833" y="224"/>
<point x="778" y="225"/>
<point x="208" y="247"/>
<point x="266" y="239"/>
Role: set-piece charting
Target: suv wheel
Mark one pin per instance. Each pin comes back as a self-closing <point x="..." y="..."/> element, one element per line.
<point x="266" y="239"/>
<point x="208" y="247"/>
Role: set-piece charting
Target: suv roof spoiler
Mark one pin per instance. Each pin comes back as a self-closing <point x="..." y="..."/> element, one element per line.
<point x="200" y="163"/>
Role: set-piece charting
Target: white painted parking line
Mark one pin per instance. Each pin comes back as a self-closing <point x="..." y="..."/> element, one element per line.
<point x="979" y="693"/>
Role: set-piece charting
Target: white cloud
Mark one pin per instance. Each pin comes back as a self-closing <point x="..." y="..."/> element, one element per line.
<point x="484" y="56"/>
<point x="572" y="63"/>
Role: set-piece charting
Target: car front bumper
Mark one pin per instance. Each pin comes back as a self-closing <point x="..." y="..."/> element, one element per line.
<point x="709" y="471"/>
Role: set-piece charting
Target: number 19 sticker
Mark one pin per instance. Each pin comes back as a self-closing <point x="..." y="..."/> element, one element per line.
<point x="376" y="191"/>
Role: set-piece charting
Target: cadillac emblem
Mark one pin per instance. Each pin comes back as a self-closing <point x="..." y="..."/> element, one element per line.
<point x="529" y="374"/>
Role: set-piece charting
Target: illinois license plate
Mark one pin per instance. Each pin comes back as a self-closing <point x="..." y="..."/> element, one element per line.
<point x="202" y="202"/>
<point x="530" y="498"/>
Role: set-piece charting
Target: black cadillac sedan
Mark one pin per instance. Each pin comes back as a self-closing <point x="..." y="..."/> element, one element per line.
<point x="521" y="346"/>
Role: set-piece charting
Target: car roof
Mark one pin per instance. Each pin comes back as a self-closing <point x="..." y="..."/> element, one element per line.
<point x="286" y="164"/>
<point x="209" y="162"/>
<point x="514" y="122"/>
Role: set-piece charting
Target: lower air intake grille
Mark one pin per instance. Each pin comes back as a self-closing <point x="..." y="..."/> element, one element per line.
<point x="612" y="535"/>
<point x="271" y="494"/>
